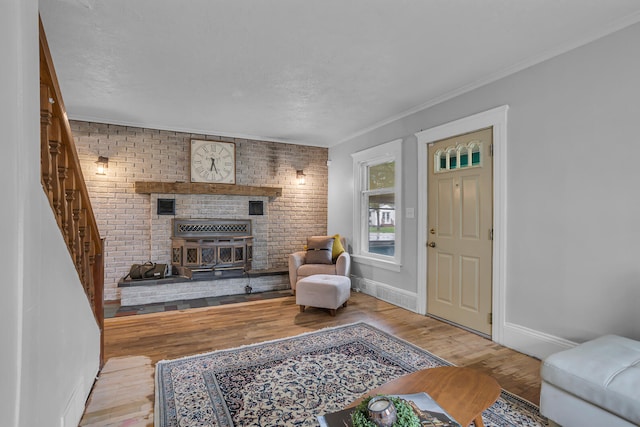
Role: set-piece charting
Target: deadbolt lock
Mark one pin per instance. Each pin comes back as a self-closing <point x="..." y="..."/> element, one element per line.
<point x="432" y="231"/>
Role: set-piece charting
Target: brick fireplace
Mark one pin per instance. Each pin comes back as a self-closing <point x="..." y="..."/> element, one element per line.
<point x="220" y="256"/>
<point x="135" y="233"/>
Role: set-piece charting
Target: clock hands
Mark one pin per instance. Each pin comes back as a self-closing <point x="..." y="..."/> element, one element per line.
<point x="213" y="164"/>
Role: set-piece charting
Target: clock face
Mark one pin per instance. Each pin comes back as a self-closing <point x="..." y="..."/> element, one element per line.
<point x="213" y="161"/>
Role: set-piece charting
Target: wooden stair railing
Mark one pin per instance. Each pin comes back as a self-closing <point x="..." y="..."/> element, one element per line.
<point x="64" y="185"/>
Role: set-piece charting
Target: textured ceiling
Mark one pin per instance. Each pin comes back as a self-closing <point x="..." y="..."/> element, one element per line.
<point x="307" y="72"/>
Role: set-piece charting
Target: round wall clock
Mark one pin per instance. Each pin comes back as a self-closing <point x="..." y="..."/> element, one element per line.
<point x="213" y="161"/>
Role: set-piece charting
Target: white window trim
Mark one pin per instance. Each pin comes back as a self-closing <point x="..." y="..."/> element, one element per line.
<point x="389" y="151"/>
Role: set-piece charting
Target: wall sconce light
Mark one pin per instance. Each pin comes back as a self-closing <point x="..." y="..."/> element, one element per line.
<point x="301" y="177"/>
<point x="103" y="164"/>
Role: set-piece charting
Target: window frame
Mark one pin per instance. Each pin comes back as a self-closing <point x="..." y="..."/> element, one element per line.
<point x="383" y="153"/>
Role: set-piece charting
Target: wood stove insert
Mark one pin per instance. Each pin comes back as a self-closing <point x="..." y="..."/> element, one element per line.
<point x="200" y="245"/>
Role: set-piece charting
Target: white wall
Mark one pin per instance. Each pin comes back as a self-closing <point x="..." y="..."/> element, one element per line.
<point x="573" y="191"/>
<point x="50" y="341"/>
<point x="11" y="114"/>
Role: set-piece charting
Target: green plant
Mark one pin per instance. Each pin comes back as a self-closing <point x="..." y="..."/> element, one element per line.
<point x="405" y="417"/>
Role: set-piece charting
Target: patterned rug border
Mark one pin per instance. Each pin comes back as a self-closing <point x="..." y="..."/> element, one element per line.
<point x="303" y="334"/>
<point x="505" y="394"/>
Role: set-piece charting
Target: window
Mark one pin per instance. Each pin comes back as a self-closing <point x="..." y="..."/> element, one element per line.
<point x="377" y="219"/>
<point x="458" y="157"/>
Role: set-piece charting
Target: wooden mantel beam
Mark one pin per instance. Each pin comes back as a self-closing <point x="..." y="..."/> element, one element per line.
<point x="148" y="187"/>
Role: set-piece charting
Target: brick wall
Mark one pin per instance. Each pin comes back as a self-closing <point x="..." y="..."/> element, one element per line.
<point x="128" y="221"/>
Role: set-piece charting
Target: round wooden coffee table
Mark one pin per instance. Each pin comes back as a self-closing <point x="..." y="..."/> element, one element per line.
<point x="464" y="393"/>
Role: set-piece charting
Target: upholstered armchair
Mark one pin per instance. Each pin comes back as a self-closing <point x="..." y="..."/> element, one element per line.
<point x="321" y="257"/>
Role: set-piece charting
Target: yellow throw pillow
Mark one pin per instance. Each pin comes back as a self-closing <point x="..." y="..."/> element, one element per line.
<point x="337" y="247"/>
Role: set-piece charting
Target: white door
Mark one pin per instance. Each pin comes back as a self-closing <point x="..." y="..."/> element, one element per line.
<point x="460" y="220"/>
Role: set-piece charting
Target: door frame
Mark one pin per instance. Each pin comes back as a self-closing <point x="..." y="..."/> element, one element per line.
<point x="497" y="119"/>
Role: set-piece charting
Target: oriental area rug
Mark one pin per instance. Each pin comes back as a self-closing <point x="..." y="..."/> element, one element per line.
<point x="290" y="382"/>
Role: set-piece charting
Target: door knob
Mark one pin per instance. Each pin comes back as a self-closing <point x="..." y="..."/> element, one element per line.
<point x="431" y="244"/>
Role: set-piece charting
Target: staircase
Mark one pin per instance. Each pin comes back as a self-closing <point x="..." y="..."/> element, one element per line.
<point x="64" y="185"/>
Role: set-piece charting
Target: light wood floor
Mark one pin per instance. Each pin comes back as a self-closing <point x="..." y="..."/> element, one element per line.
<point x="123" y="394"/>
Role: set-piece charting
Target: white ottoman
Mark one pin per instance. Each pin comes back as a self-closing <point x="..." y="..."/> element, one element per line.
<point x="594" y="384"/>
<point x="323" y="291"/>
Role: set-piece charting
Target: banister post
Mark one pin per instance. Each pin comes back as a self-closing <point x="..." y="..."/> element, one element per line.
<point x="62" y="179"/>
<point x="77" y="244"/>
<point x="98" y="292"/>
<point x="45" y="124"/>
<point x="54" y="150"/>
<point x="70" y="197"/>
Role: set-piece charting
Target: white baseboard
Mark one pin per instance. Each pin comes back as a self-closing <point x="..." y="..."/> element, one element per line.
<point x="72" y="414"/>
<point x="520" y="338"/>
<point x="384" y="292"/>
<point x="533" y="343"/>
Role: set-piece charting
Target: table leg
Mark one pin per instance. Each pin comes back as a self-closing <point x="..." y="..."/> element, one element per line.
<point x="478" y="421"/>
